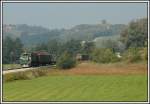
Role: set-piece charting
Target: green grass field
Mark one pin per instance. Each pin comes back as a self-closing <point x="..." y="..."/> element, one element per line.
<point x="78" y="88"/>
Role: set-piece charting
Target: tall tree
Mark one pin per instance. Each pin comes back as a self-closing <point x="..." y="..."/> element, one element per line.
<point x="53" y="47"/>
<point x="18" y="48"/>
<point x="136" y="34"/>
<point x="7" y="48"/>
<point x="11" y="50"/>
<point x="72" y="46"/>
<point x="41" y="46"/>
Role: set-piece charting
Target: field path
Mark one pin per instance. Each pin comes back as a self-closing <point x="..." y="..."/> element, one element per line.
<point x="23" y="69"/>
<point x="16" y="70"/>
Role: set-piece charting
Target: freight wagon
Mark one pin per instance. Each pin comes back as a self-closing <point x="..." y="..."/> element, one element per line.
<point x="82" y="57"/>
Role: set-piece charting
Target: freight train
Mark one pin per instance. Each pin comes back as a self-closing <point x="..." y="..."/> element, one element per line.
<point x="38" y="58"/>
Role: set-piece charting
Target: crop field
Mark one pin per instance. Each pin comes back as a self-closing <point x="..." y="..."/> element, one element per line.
<point x="78" y="84"/>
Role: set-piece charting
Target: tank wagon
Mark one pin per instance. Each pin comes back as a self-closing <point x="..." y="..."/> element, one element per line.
<point x="38" y="58"/>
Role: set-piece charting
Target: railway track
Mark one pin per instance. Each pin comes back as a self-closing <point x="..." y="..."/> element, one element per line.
<point x="23" y="69"/>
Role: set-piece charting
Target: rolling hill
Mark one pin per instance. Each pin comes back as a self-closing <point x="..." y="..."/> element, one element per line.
<point x="31" y="35"/>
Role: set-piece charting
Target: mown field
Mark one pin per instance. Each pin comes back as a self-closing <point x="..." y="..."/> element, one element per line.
<point x="86" y="82"/>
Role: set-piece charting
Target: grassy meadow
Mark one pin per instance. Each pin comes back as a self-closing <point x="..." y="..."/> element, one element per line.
<point x="86" y="82"/>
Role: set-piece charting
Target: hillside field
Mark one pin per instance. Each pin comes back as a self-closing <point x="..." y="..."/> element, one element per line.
<point x="86" y="82"/>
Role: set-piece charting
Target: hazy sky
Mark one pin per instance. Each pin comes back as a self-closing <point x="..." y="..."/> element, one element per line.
<point x="67" y="15"/>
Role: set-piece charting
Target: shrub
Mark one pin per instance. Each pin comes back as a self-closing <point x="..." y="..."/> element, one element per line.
<point x="132" y="55"/>
<point x="104" y="56"/>
<point x="8" y="77"/>
<point x="15" y="76"/>
<point x="66" y="61"/>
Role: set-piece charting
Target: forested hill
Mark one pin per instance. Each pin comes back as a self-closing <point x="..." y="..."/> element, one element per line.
<point x="30" y="34"/>
<point x="37" y="34"/>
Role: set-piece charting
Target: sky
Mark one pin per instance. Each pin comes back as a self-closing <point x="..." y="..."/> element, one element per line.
<point x="67" y="15"/>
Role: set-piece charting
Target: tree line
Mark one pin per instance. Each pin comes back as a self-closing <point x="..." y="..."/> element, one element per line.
<point x="133" y="45"/>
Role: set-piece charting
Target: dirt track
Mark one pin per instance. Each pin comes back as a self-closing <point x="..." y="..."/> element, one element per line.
<point x="23" y="69"/>
<point x="16" y="70"/>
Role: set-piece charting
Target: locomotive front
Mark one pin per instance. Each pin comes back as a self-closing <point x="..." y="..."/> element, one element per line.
<point x="25" y="60"/>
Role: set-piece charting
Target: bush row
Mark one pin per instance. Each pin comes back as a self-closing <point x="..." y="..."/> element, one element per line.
<point x="104" y="56"/>
<point x="135" y="55"/>
<point x="108" y="56"/>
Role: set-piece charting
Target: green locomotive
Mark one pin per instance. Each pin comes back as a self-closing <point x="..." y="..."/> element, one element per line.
<point x="38" y="58"/>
